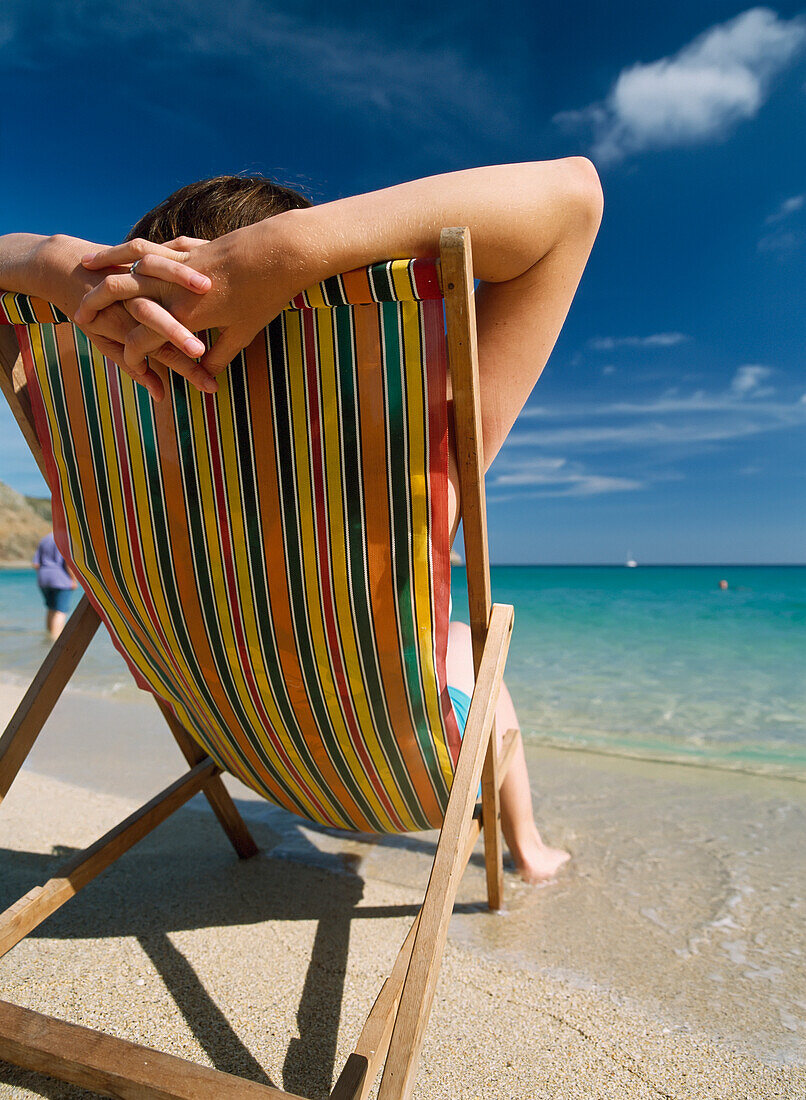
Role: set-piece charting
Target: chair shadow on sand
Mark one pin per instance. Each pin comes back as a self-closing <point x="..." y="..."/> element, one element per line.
<point x="291" y="880"/>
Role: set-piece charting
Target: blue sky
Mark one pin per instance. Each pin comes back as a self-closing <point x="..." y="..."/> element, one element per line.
<point x="670" y="421"/>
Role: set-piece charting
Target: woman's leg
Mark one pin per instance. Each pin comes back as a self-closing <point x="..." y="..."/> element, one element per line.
<point x="534" y="860"/>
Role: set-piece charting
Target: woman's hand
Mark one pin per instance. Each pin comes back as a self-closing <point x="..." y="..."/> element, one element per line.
<point x="177" y="349"/>
<point x="147" y="266"/>
<point x="50" y="268"/>
<point x="254" y="272"/>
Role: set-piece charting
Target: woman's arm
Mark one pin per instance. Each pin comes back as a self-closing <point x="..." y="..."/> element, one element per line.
<point x="532" y="228"/>
<point x="22" y="270"/>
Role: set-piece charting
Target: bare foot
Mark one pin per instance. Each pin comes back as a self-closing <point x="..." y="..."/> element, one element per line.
<point x="535" y="862"/>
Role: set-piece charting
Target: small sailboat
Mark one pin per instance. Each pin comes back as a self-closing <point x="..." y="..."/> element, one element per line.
<point x="631" y="563"/>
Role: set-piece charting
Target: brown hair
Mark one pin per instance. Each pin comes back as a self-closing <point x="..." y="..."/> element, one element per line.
<point x="211" y="208"/>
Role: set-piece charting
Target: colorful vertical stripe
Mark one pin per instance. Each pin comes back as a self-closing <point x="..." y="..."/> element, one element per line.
<point x="273" y="559"/>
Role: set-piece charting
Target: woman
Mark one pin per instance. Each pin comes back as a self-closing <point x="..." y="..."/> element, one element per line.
<point x="532" y="227"/>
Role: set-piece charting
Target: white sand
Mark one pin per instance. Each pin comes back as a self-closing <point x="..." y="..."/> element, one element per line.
<point x="665" y="963"/>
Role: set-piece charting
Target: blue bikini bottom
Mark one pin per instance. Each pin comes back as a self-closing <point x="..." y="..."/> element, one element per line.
<point x="461" y="705"/>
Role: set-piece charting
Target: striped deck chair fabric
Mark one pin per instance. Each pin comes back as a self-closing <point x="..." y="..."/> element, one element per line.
<point x="273" y="560"/>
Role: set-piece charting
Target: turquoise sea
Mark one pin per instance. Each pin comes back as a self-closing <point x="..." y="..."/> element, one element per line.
<point x="654" y="662"/>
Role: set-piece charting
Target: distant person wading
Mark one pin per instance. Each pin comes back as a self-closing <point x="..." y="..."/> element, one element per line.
<point x="55" y="582"/>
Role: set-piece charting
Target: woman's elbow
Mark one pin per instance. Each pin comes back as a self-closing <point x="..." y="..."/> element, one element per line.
<point x="584" y="192"/>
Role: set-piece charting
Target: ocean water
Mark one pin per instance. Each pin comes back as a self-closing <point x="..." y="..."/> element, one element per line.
<point x="659" y="662"/>
<point x="653" y="662"/>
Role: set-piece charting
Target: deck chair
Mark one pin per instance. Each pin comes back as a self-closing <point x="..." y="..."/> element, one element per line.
<point x="273" y="563"/>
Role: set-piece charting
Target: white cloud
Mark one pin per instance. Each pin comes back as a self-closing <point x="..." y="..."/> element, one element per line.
<point x="699" y="94"/>
<point x="748" y="379"/>
<point x="657" y="340"/>
<point x="671" y="420"/>
<point x="651" y="434"/>
<point x="781" y="239"/>
<point x="630" y="445"/>
<point x="550" y="477"/>
<point x="787" y="207"/>
<point x="779" y="242"/>
<point x="670" y="402"/>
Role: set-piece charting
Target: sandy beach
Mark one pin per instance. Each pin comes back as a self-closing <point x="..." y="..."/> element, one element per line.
<point x="665" y="962"/>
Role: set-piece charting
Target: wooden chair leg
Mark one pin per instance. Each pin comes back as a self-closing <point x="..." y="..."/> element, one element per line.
<point x="460" y="315"/>
<point x="491" y="825"/>
<point x="363" y="1065"/>
<point x="43" y="694"/>
<point x="214" y="790"/>
<point x="429" y="942"/>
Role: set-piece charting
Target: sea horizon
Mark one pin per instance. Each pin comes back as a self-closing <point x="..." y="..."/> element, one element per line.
<point x="15" y="565"/>
<point x="646" y="565"/>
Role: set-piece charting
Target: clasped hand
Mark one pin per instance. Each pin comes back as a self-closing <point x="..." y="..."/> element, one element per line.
<point x="184" y="286"/>
<point x="109" y="325"/>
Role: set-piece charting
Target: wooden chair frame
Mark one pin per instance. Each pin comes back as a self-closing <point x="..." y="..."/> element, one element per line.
<point x="393" y="1033"/>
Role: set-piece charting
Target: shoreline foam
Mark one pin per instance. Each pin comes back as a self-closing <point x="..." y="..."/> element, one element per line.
<point x="763" y="771"/>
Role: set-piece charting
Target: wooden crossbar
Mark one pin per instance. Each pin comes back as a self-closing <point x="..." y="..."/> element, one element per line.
<point x="115" y="1067"/>
<point x="24" y="915"/>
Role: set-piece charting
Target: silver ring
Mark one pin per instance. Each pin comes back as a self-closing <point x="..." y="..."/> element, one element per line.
<point x="135" y="265"/>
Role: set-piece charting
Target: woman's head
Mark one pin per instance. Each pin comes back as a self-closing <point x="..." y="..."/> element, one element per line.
<point x="211" y="208"/>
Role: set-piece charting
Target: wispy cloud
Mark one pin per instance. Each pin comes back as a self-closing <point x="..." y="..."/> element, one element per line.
<point x="787" y="207"/>
<point x="782" y="238"/>
<point x="433" y="86"/>
<point x="671" y="420"/>
<point x="550" y="477"/>
<point x="748" y="379"/>
<point x="699" y="94"/>
<point x="779" y="242"/>
<point x="657" y="434"/>
<point x="657" y="340"/>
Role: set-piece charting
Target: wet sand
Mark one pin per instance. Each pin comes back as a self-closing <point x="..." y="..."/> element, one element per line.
<point x="665" y="962"/>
